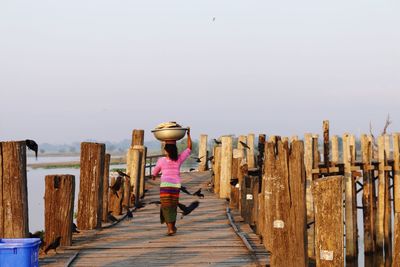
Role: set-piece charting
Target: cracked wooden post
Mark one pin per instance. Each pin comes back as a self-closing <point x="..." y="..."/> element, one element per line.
<point x="285" y="210"/>
<point x="260" y="204"/>
<point x="115" y="200"/>
<point x="234" y="195"/>
<point x="250" y="152"/>
<point x="396" y="194"/>
<point x="59" y="208"/>
<point x="143" y="170"/>
<point x="383" y="238"/>
<point x="136" y="173"/>
<point x="14" y="221"/>
<point x="368" y="198"/>
<point x="335" y="150"/>
<point x="226" y="167"/>
<point x="106" y="184"/>
<point x="90" y="201"/>
<point x="350" y="200"/>
<point x="137" y="137"/>
<point x="328" y="221"/>
<point x="126" y="200"/>
<point x="217" y="169"/>
<point x="203" y="152"/>
<point x="308" y="163"/>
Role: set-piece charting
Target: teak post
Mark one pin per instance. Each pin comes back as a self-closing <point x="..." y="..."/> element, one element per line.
<point x="13" y="190"/>
<point x="250" y="152"/>
<point x="59" y="208"/>
<point x="326" y="143"/>
<point x="90" y="201"/>
<point x="328" y="203"/>
<point x="308" y="163"/>
<point x="396" y="194"/>
<point x="203" y="152"/>
<point x="368" y="198"/>
<point x="226" y="167"/>
<point x="335" y="150"/>
<point x="217" y="169"/>
<point x="106" y="184"/>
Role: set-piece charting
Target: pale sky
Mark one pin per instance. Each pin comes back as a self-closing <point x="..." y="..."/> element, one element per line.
<point x="75" y="70"/>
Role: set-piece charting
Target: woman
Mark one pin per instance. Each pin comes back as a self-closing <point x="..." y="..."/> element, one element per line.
<point x="170" y="183"/>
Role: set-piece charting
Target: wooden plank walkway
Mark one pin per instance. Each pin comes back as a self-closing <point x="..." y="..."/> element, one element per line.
<point x="204" y="237"/>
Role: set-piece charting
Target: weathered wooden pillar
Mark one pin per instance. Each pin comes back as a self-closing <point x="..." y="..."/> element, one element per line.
<point x="135" y="175"/>
<point x="116" y="198"/>
<point x="217" y="169"/>
<point x="383" y="238"/>
<point x="126" y="200"/>
<point x="260" y="202"/>
<point x="137" y="137"/>
<point x="90" y="201"/>
<point x="335" y="150"/>
<point x="350" y="200"/>
<point x="250" y="152"/>
<point x="13" y="190"/>
<point x="368" y="198"/>
<point x="143" y="170"/>
<point x="325" y="129"/>
<point x="203" y="153"/>
<point x="226" y="166"/>
<point x="308" y="163"/>
<point x="396" y="194"/>
<point x="328" y="204"/>
<point x="59" y="208"/>
<point x="106" y="184"/>
<point x="285" y="209"/>
<point x="234" y="195"/>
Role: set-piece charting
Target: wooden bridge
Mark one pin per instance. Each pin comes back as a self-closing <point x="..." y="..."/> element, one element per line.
<point x="204" y="237"/>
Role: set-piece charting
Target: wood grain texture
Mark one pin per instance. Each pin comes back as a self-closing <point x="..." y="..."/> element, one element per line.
<point x="226" y="167"/>
<point x="250" y="152"/>
<point x="203" y="152"/>
<point x="329" y="221"/>
<point x="59" y="208"/>
<point x="90" y="201"/>
<point x="106" y="184"/>
<point x="14" y="221"/>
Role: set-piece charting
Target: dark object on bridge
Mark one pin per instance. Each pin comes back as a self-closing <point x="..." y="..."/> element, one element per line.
<point x="244" y="144"/>
<point x="75" y="228"/>
<point x="129" y="213"/>
<point x="210" y="158"/>
<point x="254" y="172"/>
<point x="309" y="224"/>
<point x="139" y="205"/>
<point x="32" y="145"/>
<point x="38" y="234"/>
<point x="187" y="210"/>
<point x="192" y="169"/>
<point x="198" y="193"/>
<point x="217" y="142"/>
<point x="184" y="190"/>
<point x="111" y="217"/>
<point x="54" y="245"/>
<point x="123" y="174"/>
<point x="116" y="186"/>
<point x="234" y="181"/>
<point x="197" y="159"/>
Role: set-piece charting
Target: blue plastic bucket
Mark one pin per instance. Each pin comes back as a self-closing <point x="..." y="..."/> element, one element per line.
<point x="19" y="252"/>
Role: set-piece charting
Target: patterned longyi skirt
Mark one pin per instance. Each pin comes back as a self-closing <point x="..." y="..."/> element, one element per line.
<point x="169" y="198"/>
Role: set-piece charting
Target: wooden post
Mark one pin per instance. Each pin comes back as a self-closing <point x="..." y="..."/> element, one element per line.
<point x="203" y="152"/>
<point x="326" y="142"/>
<point x="396" y="197"/>
<point x="250" y="152"/>
<point x="383" y="238"/>
<point x="260" y="203"/>
<point x="261" y="147"/>
<point x="13" y="190"/>
<point x="328" y="203"/>
<point x="217" y="169"/>
<point x="126" y="200"/>
<point x="59" y="208"/>
<point x="90" y="203"/>
<point x="335" y="150"/>
<point x="135" y="174"/>
<point x="368" y="198"/>
<point x="234" y="195"/>
<point x="115" y="202"/>
<point x="226" y="166"/>
<point x="285" y="210"/>
<point x="308" y="163"/>
<point x="143" y="170"/>
<point x="350" y="201"/>
<point x="106" y="184"/>
<point x="137" y="137"/>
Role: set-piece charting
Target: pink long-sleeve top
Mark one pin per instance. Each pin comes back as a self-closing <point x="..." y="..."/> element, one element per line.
<point x="170" y="169"/>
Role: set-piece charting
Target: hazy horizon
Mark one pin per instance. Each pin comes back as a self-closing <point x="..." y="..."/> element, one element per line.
<point x="77" y="70"/>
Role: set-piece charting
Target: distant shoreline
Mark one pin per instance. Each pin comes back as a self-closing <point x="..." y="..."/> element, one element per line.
<point x="72" y="164"/>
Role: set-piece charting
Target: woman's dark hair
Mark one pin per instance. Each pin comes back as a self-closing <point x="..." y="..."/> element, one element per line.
<point x="172" y="151"/>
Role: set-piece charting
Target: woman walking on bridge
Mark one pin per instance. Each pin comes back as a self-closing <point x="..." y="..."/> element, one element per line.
<point x="170" y="183"/>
